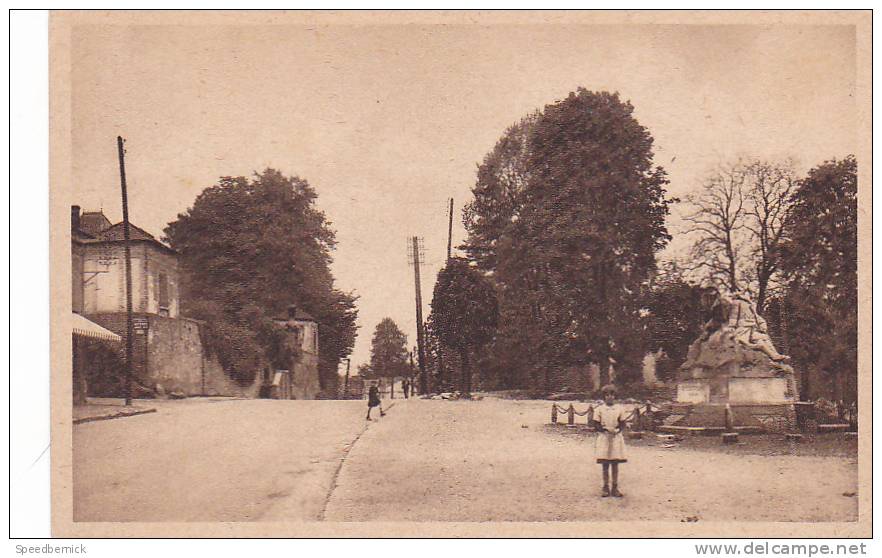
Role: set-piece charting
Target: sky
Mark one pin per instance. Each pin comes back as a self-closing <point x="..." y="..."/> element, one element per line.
<point x="387" y="122"/>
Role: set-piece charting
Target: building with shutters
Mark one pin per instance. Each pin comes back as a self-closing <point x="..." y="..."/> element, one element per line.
<point x="169" y="357"/>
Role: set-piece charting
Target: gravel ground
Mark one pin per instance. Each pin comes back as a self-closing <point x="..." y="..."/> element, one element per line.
<point x="818" y="445"/>
<point x="497" y="460"/>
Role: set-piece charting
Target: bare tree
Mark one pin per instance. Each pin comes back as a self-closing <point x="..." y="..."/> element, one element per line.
<point x="718" y="220"/>
<point x="740" y="221"/>
<point x="770" y="187"/>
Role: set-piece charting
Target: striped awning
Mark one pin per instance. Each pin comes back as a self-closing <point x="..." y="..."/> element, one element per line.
<point x="87" y="328"/>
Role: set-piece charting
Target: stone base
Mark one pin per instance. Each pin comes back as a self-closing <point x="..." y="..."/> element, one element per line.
<point x="766" y="417"/>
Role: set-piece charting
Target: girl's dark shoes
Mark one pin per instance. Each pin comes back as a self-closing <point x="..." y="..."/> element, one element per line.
<point x="605" y="493"/>
<point x="615" y="493"/>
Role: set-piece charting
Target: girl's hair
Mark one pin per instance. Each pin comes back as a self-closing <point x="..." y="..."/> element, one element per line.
<point x="607" y="389"/>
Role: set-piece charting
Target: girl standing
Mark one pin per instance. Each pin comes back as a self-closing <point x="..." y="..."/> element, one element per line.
<point x="609" y="447"/>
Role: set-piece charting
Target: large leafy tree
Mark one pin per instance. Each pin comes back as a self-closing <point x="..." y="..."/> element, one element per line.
<point x="498" y="194"/>
<point x="389" y="356"/>
<point x="464" y="312"/>
<point x="819" y="261"/>
<point x="575" y="259"/>
<point x="249" y="249"/>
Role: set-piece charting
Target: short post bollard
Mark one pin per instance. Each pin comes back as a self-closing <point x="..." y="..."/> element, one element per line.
<point x="571" y="416"/>
<point x="730" y="419"/>
<point x="553" y="413"/>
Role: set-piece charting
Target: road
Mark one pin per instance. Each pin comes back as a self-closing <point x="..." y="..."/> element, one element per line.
<point x="496" y="460"/>
<point x="425" y="461"/>
<point x="213" y="460"/>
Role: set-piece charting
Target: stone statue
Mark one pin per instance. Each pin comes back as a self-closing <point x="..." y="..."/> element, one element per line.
<point x="732" y="321"/>
<point x="749" y="328"/>
<point x="734" y="361"/>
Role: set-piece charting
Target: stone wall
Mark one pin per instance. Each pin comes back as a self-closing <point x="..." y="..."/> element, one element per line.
<point x="169" y="357"/>
<point x="305" y="380"/>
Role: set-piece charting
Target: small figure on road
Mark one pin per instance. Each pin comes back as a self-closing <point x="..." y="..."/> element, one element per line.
<point x="609" y="447"/>
<point x="374" y="401"/>
<point x="404" y="388"/>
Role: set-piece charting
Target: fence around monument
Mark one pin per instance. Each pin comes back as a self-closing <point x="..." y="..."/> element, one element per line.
<point x="640" y="418"/>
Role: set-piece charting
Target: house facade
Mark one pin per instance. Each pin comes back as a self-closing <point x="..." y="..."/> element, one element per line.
<point x="98" y="251"/>
<point x="168" y="355"/>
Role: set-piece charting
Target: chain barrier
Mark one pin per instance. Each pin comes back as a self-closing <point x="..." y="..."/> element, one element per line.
<point x="571" y="413"/>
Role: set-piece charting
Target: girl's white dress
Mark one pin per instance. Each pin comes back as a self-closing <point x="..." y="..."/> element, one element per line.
<point x="609" y="447"/>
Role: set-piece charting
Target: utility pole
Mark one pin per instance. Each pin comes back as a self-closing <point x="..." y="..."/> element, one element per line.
<point x="128" y="256"/>
<point x="346" y="381"/>
<point x="411" y="371"/>
<point x="450" y="229"/>
<point x="416" y="256"/>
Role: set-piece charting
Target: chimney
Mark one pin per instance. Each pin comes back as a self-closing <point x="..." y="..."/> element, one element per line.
<point x="74" y="217"/>
<point x="292" y="311"/>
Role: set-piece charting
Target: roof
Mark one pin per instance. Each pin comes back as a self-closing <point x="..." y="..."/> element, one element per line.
<point x="116" y="233"/>
<point x="81" y="235"/>
<point x="83" y="327"/>
<point x="299" y="316"/>
<point x="94" y="222"/>
<point x="303" y="316"/>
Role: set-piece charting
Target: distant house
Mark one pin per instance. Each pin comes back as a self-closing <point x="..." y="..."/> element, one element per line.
<point x="168" y="353"/>
<point x="301" y="380"/>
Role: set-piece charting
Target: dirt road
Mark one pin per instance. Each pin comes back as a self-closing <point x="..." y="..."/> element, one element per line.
<point x="492" y="460"/>
<point x="496" y="461"/>
<point x="204" y="460"/>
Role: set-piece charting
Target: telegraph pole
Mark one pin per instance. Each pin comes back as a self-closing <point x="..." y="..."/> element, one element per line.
<point x="411" y="372"/>
<point x="128" y="257"/>
<point x="346" y="381"/>
<point x="450" y="229"/>
<point x="417" y="256"/>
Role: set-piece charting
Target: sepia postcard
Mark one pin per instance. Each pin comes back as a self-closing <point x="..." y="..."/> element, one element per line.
<point x="461" y="274"/>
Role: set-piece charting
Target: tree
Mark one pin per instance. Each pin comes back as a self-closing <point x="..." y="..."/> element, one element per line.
<point x="464" y="312"/>
<point x="249" y="249"/>
<point x="593" y="219"/>
<point x="740" y="221"/>
<point x="674" y="319"/>
<point x="498" y="193"/>
<point x="819" y="262"/>
<point x="718" y="220"/>
<point x="770" y="190"/>
<point x="389" y="356"/>
<point x="568" y="215"/>
<point x="365" y="371"/>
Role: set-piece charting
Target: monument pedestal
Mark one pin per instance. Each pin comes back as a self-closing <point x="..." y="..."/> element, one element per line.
<point x="722" y="369"/>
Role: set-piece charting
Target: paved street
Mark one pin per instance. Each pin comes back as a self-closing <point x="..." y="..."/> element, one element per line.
<point x="496" y="460"/>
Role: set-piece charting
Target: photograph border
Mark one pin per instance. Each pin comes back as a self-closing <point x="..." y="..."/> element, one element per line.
<point x="61" y="23"/>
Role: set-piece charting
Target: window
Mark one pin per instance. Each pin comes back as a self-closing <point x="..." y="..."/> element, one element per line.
<point x="163" y="294"/>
